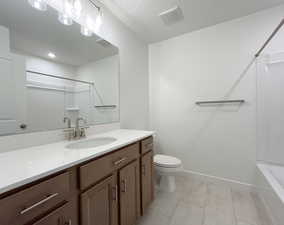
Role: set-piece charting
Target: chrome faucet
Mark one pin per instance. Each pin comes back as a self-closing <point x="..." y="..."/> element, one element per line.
<point x="68" y="120"/>
<point x="76" y="132"/>
<point x="80" y="131"/>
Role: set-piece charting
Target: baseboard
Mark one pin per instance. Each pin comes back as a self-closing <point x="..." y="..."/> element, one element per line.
<point x="220" y="180"/>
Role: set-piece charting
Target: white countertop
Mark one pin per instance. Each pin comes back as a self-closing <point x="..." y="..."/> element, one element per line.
<point x="23" y="166"/>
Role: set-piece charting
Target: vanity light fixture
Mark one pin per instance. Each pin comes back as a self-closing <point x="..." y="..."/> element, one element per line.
<point x="99" y="21"/>
<point x="86" y="29"/>
<point x="77" y="8"/>
<point x="99" y="16"/>
<point x="72" y="9"/>
<point x="51" y="55"/>
<point x="86" y="32"/>
<point x="65" y="17"/>
<point x="39" y="4"/>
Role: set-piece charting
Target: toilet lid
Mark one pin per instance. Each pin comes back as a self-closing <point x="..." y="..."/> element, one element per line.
<point x="166" y="161"/>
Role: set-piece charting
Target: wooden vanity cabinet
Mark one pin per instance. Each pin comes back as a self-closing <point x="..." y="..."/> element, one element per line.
<point x="114" y="189"/>
<point x="147" y="180"/>
<point x="100" y="203"/>
<point x="129" y="181"/>
<point x="64" y="215"/>
<point x="31" y="202"/>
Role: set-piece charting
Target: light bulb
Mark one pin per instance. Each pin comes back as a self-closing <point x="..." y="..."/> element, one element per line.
<point x="86" y="32"/>
<point x="38" y="4"/>
<point x="65" y="17"/>
<point x="77" y="8"/>
<point x="51" y="55"/>
<point x="98" y="22"/>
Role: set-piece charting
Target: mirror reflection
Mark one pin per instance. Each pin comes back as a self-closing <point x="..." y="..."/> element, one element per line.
<point x="51" y="74"/>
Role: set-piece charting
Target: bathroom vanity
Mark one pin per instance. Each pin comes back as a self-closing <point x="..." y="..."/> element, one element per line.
<point x="107" y="186"/>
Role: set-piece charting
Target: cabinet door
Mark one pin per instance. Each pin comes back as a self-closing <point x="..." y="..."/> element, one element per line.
<point x="147" y="180"/>
<point x="99" y="205"/>
<point x="65" y="215"/>
<point x="129" y="179"/>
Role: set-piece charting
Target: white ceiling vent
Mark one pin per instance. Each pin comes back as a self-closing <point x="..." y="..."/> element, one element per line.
<point x="172" y="16"/>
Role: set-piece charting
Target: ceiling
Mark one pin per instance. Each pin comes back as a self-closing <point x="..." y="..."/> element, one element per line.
<point x="142" y="15"/>
<point x="38" y="33"/>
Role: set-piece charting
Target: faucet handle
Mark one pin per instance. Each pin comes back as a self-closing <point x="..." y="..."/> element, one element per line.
<point x="68" y="121"/>
<point x="70" y="132"/>
<point x="83" y="132"/>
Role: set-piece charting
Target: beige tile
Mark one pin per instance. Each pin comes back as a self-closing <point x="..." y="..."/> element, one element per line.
<point x="196" y="194"/>
<point x="243" y="223"/>
<point x="182" y="184"/>
<point x="244" y="208"/>
<point x="262" y="212"/>
<point x="200" y="202"/>
<point x="153" y="217"/>
<point x="161" y="210"/>
<point x="164" y="204"/>
<point x="186" y="214"/>
<point x="219" y="206"/>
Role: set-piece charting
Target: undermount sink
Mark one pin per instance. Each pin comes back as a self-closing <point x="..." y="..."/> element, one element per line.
<point x="91" y="143"/>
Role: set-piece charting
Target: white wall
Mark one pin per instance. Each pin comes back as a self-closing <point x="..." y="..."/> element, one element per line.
<point x="50" y="67"/>
<point x="206" y="65"/>
<point x="51" y="104"/>
<point x="105" y="75"/>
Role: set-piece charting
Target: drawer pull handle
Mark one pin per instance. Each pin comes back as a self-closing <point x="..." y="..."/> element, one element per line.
<point x="120" y="161"/>
<point x="38" y="203"/>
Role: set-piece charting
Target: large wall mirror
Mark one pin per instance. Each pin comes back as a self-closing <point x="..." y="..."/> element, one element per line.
<point x="49" y="71"/>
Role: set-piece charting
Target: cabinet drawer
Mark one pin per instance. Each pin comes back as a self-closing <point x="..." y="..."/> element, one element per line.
<point x="64" y="215"/>
<point x="100" y="168"/>
<point x="29" y="203"/>
<point x="125" y="156"/>
<point x="146" y="145"/>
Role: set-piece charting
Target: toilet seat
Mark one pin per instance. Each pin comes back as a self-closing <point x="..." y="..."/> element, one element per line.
<point x="166" y="161"/>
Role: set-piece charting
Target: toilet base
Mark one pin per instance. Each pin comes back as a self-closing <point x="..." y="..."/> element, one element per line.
<point x="167" y="183"/>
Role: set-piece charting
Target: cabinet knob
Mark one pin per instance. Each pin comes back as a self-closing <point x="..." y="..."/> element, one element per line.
<point x="23" y="126"/>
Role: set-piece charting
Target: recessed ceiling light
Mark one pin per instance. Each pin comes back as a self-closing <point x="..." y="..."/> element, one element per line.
<point x="51" y="55"/>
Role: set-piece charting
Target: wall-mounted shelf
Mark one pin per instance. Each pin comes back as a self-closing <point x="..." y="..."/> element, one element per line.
<point x="105" y="106"/>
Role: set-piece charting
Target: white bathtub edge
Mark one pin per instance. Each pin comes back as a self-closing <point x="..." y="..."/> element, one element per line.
<point x="264" y="168"/>
<point x="270" y="192"/>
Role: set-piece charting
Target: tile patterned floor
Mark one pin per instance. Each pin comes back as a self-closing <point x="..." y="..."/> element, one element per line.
<point x="198" y="202"/>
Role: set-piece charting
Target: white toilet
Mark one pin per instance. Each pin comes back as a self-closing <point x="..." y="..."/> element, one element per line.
<point x="166" y="168"/>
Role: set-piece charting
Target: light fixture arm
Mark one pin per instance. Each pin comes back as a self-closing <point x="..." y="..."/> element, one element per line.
<point x="95" y="5"/>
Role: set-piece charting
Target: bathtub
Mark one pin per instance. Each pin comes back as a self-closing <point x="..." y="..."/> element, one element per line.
<point x="272" y="190"/>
